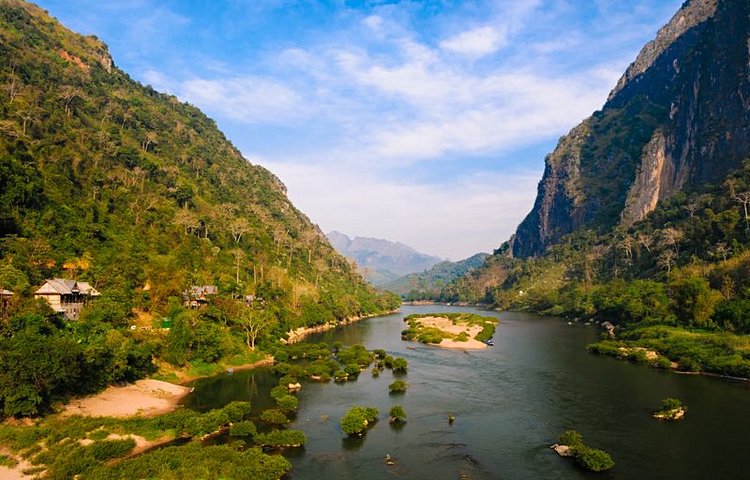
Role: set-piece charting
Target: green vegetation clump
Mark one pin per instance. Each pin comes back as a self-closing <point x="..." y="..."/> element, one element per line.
<point x="692" y="350"/>
<point x="357" y="419"/>
<point x="397" y="414"/>
<point x="196" y="462"/>
<point x="399" y="386"/>
<point x="593" y="459"/>
<point x="287" y="403"/>
<point x="52" y="444"/>
<point x="6" y="461"/>
<point x="274" y="417"/>
<point x="399" y="365"/>
<point x="671" y="409"/>
<point x="244" y="428"/>
<point x="587" y="457"/>
<point x="280" y="439"/>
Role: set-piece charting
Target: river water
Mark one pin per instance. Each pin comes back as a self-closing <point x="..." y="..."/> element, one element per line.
<point x="510" y="402"/>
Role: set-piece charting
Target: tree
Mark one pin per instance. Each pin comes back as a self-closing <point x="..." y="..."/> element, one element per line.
<point x="357" y="419"/>
<point x="744" y="199"/>
<point x="253" y="323"/>
<point x="665" y="260"/>
<point x="238" y="228"/>
<point x="694" y="301"/>
<point x="187" y="220"/>
<point x="670" y="237"/>
<point x="239" y="255"/>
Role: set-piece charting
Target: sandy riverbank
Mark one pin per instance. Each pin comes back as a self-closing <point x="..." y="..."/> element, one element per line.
<point x="446" y="325"/>
<point x="300" y="333"/>
<point x="147" y="398"/>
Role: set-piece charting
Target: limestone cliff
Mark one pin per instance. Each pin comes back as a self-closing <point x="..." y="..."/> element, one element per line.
<point x="678" y="118"/>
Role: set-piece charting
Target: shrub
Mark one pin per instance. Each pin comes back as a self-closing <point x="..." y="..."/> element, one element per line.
<point x="245" y="428"/>
<point x="287" y="403"/>
<point x="399" y="365"/>
<point x="388" y="361"/>
<point x="237" y="411"/>
<point x="357" y="419"/>
<point x="279" y="391"/>
<point x="399" y="386"/>
<point x="593" y="459"/>
<point x="281" y="438"/>
<point x="106" y="449"/>
<point x="669" y="403"/>
<point x="662" y="362"/>
<point x="274" y="417"/>
<point x="571" y="438"/>
<point x="397" y="414"/>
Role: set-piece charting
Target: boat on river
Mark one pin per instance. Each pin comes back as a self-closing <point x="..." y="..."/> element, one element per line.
<point x="490" y="342"/>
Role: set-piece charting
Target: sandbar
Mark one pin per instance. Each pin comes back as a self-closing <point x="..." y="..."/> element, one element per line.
<point x="147" y="398"/>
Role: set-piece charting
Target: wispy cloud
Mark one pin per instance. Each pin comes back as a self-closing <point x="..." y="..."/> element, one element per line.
<point x="477" y="42"/>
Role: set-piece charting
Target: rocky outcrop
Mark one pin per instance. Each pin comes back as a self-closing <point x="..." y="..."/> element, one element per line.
<point x="678" y="118"/>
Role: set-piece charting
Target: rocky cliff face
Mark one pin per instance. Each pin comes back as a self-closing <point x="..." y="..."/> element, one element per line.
<point x="678" y="118"/>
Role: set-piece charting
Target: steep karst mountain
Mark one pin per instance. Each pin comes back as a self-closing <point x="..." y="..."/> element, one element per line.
<point x="678" y="119"/>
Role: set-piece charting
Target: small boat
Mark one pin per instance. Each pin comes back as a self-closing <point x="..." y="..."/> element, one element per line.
<point x="389" y="460"/>
<point x="490" y="343"/>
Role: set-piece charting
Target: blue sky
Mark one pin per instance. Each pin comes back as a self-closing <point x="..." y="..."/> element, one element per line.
<point x="420" y="122"/>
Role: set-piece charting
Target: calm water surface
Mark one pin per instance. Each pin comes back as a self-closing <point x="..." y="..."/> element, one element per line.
<point x="510" y="403"/>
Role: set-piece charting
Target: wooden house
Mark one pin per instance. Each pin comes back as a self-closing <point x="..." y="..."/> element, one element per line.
<point x="66" y="296"/>
<point x="197" y="295"/>
<point x="5" y="296"/>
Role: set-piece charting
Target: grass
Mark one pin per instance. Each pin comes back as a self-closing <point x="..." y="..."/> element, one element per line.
<point x="199" y="368"/>
<point x="6" y="461"/>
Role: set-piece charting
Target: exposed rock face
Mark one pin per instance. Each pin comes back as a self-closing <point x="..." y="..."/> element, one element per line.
<point x="679" y="117"/>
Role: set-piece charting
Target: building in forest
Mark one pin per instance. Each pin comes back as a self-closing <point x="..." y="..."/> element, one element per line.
<point x="197" y="295"/>
<point x="66" y="296"/>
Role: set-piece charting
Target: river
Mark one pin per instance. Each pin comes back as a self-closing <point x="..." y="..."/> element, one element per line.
<point x="510" y="402"/>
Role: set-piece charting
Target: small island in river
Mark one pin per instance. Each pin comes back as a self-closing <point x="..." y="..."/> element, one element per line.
<point x="450" y="330"/>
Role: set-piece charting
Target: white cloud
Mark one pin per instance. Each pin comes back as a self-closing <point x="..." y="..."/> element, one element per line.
<point x="455" y="219"/>
<point x="248" y="99"/>
<point x="477" y="42"/>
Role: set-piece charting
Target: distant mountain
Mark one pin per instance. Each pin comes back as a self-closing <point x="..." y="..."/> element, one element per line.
<point x="381" y="261"/>
<point x="429" y="283"/>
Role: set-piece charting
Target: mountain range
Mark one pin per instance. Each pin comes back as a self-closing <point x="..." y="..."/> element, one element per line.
<point x="381" y="261"/>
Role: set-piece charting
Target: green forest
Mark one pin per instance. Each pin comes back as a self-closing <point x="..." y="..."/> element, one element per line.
<point x="108" y="181"/>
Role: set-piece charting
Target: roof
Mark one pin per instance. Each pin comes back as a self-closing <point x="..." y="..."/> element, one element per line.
<point x="199" y="290"/>
<point x="62" y="286"/>
<point x="5" y="293"/>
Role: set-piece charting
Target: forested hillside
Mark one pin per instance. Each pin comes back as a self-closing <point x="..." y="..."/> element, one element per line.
<point x="107" y="181"/>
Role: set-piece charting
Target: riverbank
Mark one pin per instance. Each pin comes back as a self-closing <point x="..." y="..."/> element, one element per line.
<point x="147" y="398"/>
<point x="298" y="334"/>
